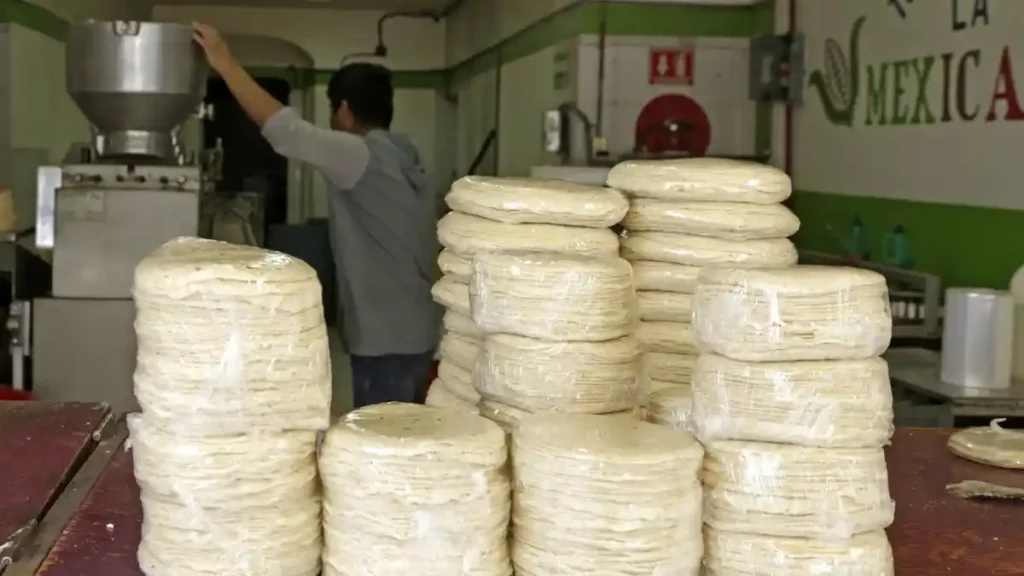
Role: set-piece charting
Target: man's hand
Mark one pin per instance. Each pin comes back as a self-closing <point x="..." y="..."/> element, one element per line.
<point x="217" y="52"/>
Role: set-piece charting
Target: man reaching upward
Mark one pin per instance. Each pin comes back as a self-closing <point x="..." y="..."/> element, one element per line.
<point x="382" y="218"/>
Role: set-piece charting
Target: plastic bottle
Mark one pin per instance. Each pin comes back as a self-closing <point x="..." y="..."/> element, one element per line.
<point x="1017" y="291"/>
<point x="896" y="249"/>
<point x="853" y="244"/>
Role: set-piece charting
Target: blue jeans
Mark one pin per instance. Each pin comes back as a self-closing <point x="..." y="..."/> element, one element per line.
<point x="391" y="378"/>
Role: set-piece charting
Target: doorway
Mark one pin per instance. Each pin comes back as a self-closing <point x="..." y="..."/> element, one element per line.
<point x="249" y="163"/>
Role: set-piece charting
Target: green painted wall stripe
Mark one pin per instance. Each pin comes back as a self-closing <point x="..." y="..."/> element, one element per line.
<point x="661" y="19"/>
<point x="633" y="18"/>
<point x="964" y="245"/>
<point x="34" y="17"/>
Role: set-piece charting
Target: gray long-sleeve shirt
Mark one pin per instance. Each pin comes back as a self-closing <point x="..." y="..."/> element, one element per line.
<point x="383" y="232"/>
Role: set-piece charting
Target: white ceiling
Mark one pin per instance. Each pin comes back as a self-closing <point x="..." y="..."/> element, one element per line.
<point x="339" y="4"/>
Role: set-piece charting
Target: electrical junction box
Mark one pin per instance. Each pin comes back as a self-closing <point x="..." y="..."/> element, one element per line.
<point x="777" y="68"/>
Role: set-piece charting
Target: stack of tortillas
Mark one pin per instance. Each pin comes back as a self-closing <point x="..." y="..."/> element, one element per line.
<point x="509" y="417"/>
<point x="735" y="554"/>
<point x="518" y="215"/>
<point x="245" y="504"/>
<point x="415" y="490"/>
<point x="843" y="403"/>
<point x="560" y="332"/>
<point x="685" y="215"/>
<point x="794" y="405"/>
<point x="233" y="377"/>
<point x="599" y="495"/>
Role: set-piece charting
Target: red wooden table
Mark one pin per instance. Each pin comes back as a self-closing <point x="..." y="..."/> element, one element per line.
<point x="41" y="447"/>
<point x="935" y="533"/>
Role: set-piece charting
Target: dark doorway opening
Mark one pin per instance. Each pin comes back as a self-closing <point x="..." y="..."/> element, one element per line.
<point x="249" y="164"/>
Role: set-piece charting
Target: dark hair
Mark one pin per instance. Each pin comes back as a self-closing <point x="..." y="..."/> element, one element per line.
<point x="367" y="89"/>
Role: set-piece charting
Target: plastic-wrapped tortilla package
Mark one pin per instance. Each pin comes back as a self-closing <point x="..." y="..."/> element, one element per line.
<point x="553" y="297"/>
<point x="796" y="491"/>
<point x="471" y="235"/>
<point x="598" y="495"/>
<point x="667" y="338"/>
<point x="460" y="350"/>
<point x="674" y="368"/>
<point x="702" y="180"/>
<point x="439" y="395"/>
<point x="414" y="489"/>
<point x="728" y="220"/>
<point x="461" y="324"/>
<point x="735" y="553"/>
<point x="841" y="403"/>
<point x="576" y="377"/>
<point x="665" y="306"/>
<point x="455" y="266"/>
<point x="791" y="314"/>
<point x="231" y="340"/>
<point x="992" y="445"/>
<point x="664" y="276"/>
<point x="452" y="294"/>
<point x="537" y="201"/>
<point x="509" y="417"/>
<point x="671" y="406"/>
<point x="458" y="381"/>
<point x="241" y="504"/>
<point x="704" y="251"/>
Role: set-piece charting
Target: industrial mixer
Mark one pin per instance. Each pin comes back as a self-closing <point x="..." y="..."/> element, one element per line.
<point x="133" y="188"/>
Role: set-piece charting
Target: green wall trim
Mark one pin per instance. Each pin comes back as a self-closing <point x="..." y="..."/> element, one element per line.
<point x="34" y="17"/>
<point x="964" y="245"/>
<point x="581" y="17"/>
<point x="661" y="19"/>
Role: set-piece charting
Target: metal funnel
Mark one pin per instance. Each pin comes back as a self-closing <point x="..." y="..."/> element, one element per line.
<point x="135" y="82"/>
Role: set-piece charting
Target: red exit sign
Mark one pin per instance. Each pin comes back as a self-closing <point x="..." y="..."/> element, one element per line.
<point x="671" y="66"/>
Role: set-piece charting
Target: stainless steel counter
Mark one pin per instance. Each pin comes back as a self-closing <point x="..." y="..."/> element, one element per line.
<point x="918" y="370"/>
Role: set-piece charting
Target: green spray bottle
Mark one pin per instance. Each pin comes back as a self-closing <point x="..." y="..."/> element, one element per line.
<point x="853" y="243"/>
<point x="896" y="249"/>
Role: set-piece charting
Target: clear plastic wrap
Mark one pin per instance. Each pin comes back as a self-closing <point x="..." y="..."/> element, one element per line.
<point x="458" y="381"/>
<point x="842" y="403"/>
<point x="461" y="324"/>
<point x="598" y="495"/>
<point x="231" y="340"/>
<point x="992" y="445"/>
<point x="414" y="489"/>
<point x="509" y="417"/>
<point x="671" y="406"/>
<point x="792" y="314"/>
<point x="538" y="201"/>
<point x="241" y="504"/>
<point x="553" y="297"/>
<point x="576" y="377"/>
<point x="455" y="266"/>
<point x="439" y="395"/>
<point x="460" y="350"/>
<point x="471" y="235"/>
<point x="664" y="276"/>
<point x="704" y="251"/>
<point x="702" y="179"/>
<point x="728" y="220"/>
<point x="665" y="306"/>
<point x="674" y="368"/>
<point x="452" y="294"/>
<point x="667" y="338"/>
<point x="736" y="553"/>
<point x="796" y="491"/>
